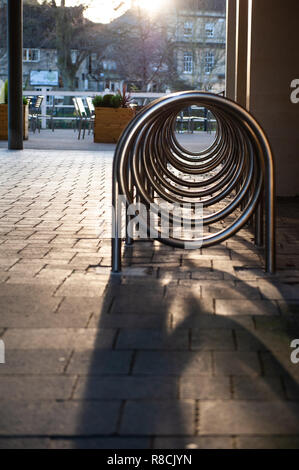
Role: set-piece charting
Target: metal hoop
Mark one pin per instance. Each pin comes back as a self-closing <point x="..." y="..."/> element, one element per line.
<point x="150" y="163"/>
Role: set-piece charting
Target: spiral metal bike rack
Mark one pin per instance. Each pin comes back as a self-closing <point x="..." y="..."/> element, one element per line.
<point x="234" y="177"/>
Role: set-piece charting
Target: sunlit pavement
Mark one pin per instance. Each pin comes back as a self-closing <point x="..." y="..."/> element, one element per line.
<point x="187" y="349"/>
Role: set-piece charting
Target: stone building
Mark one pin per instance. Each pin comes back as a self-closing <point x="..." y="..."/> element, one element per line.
<point x="40" y="69"/>
<point x="200" y="37"/>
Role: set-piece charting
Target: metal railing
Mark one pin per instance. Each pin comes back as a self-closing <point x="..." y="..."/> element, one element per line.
<point x="66" y="106"/>
<point x="62" y="101"/>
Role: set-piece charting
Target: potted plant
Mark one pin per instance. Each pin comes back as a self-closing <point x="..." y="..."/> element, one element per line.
<point x="4" y="116"/>
<point x="112" y="115"/>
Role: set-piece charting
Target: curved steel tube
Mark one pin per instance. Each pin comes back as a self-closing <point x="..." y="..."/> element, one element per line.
<point x="151" y="164"/>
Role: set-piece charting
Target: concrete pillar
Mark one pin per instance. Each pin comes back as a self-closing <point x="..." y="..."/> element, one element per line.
<point x="230" y="48"/>
<point x="273" y="65"/>
<point x="15" y="72"/>
<point x="241" y="52"/>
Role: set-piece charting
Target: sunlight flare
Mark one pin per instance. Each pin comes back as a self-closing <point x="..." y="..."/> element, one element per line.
<point x="103" y="11"/>
<point x="152" y="6"/>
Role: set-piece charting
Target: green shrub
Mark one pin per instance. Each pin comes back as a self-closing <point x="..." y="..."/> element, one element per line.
<point x="116" y="101"/>
<point x="107" y="101"/>
<point x="98" y="101"/>
<point x="25" y="101"/>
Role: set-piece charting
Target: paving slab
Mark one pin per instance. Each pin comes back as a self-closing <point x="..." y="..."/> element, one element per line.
<point x="113" y="443"/>
<point x="100" y="362"/>
<point x="205" y="388"/>
<point x="268" y="442"/>
<point x="36" y="388"/>
<point x="56" y="338"/>
<point x="249" y="417"/>
<point x="140" y="417"/>
<point x="59" y="418"/>
<point x="35" y="362"/>
<point x="195" y="442"/>
<point x="126" y="388"/>
<point x="172" y="363"/>
<point x="153" y="339"/>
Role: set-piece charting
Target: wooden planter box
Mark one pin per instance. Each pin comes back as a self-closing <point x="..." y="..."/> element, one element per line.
<point x="4" y="122"/>
<point x="110" y="122"/>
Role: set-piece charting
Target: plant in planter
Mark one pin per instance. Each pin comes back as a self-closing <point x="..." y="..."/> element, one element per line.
<point x="125" y="97"/>
<point x="112" y="115"/>
<point x="4" y="116"/>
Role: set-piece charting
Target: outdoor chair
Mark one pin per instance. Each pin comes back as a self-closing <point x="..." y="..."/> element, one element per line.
<point x="77" y="116"/>
<point x="211" y="122"/>
<point x="198" y="119"/>
<point x="82" y="116"/>
<point x="35" y="113"/>
<point x="181" y="120"/>
<point x="50" y="116"/>
<point x="53" y="112"/>
<point x="29" y="99"/>
<point x="91" y="110"/>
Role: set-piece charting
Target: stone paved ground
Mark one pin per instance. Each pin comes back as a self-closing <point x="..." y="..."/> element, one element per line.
<point x="65" y="139"/>
<point x="185" y="349"/>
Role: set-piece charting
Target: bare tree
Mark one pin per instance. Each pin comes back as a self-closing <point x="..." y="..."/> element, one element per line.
<point x="74" y="40"/>
<point x="148" y="52"/>
<point x="140" y="49"/>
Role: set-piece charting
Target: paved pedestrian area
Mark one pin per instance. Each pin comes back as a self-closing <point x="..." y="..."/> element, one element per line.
<point x="186" y="349"/>
<point x="67" y="139"/>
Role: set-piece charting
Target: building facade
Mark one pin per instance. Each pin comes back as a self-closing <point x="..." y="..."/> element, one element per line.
<point x="200" y="48"/>
<point x="88" y="78"/>
<point x="193" y="54"/>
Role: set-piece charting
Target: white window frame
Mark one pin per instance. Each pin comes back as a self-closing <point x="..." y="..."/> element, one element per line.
<point x="209" y="62"/>
<point x="26" y="54"/>
<point x="188" y="62"/>
<point x="188" y="29"/>
<point x="74" y="55"/>
<point x="210" y="30"/>
<point x="109" y="65"/>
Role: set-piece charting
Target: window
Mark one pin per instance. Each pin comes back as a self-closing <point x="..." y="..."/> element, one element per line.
<point x="188" y="28"/>
<point x="31" y="55"/>
<point x="209" y="62"/>
<point x="188" y="62"/>
<point x="109" y="64"/>
<point x="74" y="55"/>
<point x="209" y="30"/>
